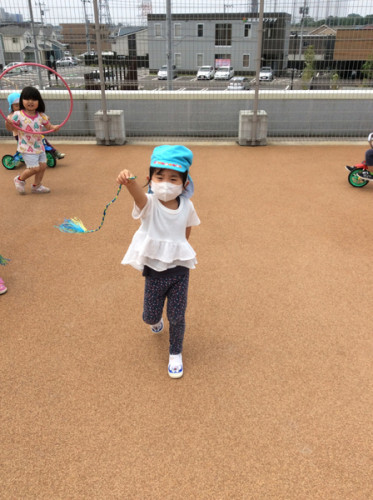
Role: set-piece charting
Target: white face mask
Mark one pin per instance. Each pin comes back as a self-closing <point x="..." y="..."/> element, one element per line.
<point x="166" y="191"/>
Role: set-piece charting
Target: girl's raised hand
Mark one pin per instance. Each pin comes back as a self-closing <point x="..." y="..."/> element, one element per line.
<point x="125" y="177"/>
<point x="128" y="179"/>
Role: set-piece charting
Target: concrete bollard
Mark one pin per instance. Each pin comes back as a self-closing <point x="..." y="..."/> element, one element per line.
<point x="117" y="132"/>
<point x="246" y="127"/>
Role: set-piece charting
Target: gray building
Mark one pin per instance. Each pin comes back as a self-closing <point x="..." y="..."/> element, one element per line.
<point x="219" y="39"/>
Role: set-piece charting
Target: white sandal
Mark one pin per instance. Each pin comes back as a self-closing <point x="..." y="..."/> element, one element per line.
<point x="175" y="366"/>
<point x="158" y="327"/>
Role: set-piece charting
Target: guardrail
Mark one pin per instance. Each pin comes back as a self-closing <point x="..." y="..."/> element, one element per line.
<point x="215" y="114"/>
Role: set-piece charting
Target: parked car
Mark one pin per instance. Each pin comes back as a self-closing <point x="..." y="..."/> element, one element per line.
<point x="21" y="69"/>
<point x="239" y="83"/>
<point x="162" y="73"/>
<point x="206" y="73"/>
<point x="67" y="61"/>
<point x="266" y="74"/>
<point x="224" y="73"/>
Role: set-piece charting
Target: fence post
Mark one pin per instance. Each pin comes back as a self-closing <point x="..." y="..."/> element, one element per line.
<point x="101" y="70"/>
<point x="258" y="65"/>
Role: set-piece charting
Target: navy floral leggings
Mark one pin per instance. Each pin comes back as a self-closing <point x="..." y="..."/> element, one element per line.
<point x="175" y="288"/>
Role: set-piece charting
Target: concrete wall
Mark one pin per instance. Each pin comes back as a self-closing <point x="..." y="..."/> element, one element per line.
<point x="325" y="113"/>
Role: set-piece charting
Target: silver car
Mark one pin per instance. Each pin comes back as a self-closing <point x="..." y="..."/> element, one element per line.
<point x="266" y="74"/>
<point x="239" y="83"/>
<point x="21" y="69"/>
<point x="67" y="61"/>
<point x="162" y="73"/>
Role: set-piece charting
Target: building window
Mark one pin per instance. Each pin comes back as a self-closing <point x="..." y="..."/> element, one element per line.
<point x="177" y="30"/>
<point x="28" y="39"/>
<point x="158" y="30"/>
<point x="15" y="40"/>
<point x="177" y="60"/>
<point x="247" y="31"/>
<point x="199" y="60"/>
<point x="223" y="34"/>
<point x="199" y="30"/>
<point x="246" y="60"/>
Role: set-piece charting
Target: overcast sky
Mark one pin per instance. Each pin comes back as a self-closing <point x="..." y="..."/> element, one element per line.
<point x="130" y="11"/>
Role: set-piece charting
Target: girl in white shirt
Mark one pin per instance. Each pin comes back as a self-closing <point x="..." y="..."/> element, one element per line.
<point x="160" y="247"/>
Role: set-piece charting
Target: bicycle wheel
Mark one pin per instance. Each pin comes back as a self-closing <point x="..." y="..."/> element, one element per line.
<point x="8" y="162"/>
<point x="355" y="180"/>
<point x="51" y="161"/>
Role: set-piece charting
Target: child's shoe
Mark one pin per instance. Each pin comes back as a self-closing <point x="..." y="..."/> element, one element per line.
<point x="158" y="327"/>
<point x="39" y="189"/>
<point x="175" y="366"/>
<point x="3" y="288"/>
<point x="59" y="155"/>
<point x="20" y="185"/>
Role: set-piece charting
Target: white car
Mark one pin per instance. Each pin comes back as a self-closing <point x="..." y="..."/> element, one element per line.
<point x="266" y="74"/>
<point x="224" y="73"/>
<point x="162" y="73"/>
<point x="205" y="73"/>
<point x="21" y="69"/>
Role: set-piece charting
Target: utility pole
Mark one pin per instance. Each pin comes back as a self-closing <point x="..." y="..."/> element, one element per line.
<point x="41" y="8"/>
<point x="104" y="12"/>
<point x="87" y="27"/>
<point x="170" y="72"/>
<point x="36" y="49"/>
<point x="304" y="12"/>
<point x="258" y="65"/>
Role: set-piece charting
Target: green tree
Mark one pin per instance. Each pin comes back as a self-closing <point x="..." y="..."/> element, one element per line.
<point x="367" y="68"/>
<point x="335" y="79"/>
<point x="309" y="65"/>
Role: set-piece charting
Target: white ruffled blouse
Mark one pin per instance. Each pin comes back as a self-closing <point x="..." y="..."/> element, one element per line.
<point x="160" y="243"/>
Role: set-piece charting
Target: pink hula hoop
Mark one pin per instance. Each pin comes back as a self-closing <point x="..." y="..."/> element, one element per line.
<point x="44" y="132"/>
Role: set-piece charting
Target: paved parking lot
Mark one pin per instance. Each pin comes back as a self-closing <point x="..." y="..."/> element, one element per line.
<point x="75" y="77"/>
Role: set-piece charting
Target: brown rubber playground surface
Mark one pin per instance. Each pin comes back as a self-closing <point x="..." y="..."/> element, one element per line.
<point x="276" y="401"/>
